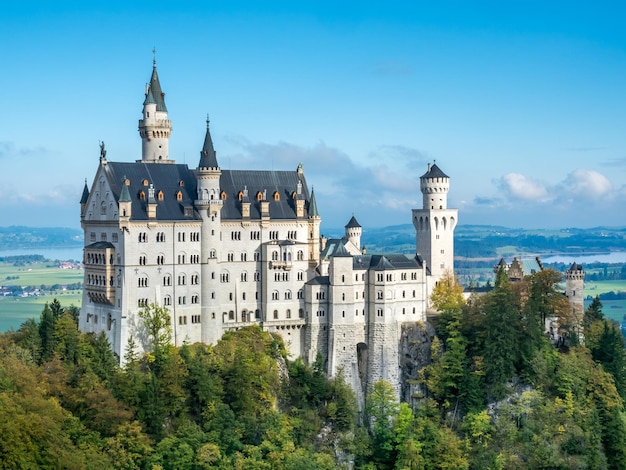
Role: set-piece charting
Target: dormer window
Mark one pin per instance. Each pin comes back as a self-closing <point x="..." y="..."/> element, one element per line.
<point x="127" y="182"/>
<point x="259" y="196"/>
<point x="223" y="195"/>
<point x="160" y="195"/>
<point x="179" y="196"/>
<point x="240" y="195"/>
<point x="181" y="183"/>
<point x="142" y="195"/>
<point x="293" y="195"/>
<point x="146" y="183"/>
<point x="276" y="196"/>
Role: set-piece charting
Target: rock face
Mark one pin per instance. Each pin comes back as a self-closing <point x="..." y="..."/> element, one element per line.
<point x="415" y="342"/>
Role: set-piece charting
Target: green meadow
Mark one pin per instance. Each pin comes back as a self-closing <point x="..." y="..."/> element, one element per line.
<point x="15" y="310"/>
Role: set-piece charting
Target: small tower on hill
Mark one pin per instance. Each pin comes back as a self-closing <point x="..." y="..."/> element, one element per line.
<point x="574" y="290"/>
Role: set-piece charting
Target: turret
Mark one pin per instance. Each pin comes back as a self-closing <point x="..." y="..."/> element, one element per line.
<point x="314" y="231"/>
<point x="574" y="290"/>
<point x="208" y="175"/>
<point x="434" y="185"/>
<point x="124" y="202"/>
<point x="83" y="201"/>
<point x="434" y="224"/>
<point x="154" y="127"/>
<point x="353" y="232"/>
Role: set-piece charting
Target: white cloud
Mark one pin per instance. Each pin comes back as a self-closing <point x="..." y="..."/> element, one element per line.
<point x="384" y="186"/>
<point x="586" y="184"/>
<point x="518" y="186"/>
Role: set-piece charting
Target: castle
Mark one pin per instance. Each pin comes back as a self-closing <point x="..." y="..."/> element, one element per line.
<point x="224" y="249"/>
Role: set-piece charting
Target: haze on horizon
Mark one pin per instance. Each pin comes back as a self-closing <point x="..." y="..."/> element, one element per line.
<point x="523" y="107"/>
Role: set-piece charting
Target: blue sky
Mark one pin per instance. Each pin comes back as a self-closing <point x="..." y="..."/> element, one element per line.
<point x="523" y="104"/>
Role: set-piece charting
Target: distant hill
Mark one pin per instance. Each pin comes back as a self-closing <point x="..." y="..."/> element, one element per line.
<point x="471" y="241"/>
<point x="20" y="237"/>
<point x="491" y="241"/>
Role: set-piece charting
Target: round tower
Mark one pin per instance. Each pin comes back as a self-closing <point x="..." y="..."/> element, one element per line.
<point x="155" y="128"/>
<point x="353" y="232"/>
<point x="434" y="224"/>
<point x="574" y="290"/>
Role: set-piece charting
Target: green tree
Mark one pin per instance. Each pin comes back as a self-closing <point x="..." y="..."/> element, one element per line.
<point x="46" y="333"/>
<point x="381" y="407"/>
<point x="157" y="323"/>
<point x="501" y="329"/>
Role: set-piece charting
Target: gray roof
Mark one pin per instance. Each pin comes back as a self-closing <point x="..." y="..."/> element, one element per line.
<point x="154" y="88"/>
<point x="341" y="252"/>
<point x="387" y="261"/>
<point x="172" y="178"/>
<point x="353" y="223"/>
<point x="169" y="178"/>
<point x="85" y="196"/>
<point x="124" y="194"/>
<point x="313" y="205"/>
<point x="100" y="245"/>
<point x="434" y="172"/>
<point x="319" y="281"/>
<point x="208" y="156"/>
<point x="282" y="183"/>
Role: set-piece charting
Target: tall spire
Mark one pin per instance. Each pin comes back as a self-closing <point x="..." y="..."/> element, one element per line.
<point x="208" y="156"/>
<point x="155" y="128"/>
<point x="85" y="196"/>
<point x="313" y="205"/>
<point x="154" y="88"/>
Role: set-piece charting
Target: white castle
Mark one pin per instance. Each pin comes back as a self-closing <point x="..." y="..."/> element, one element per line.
<point x="225" y="249"/>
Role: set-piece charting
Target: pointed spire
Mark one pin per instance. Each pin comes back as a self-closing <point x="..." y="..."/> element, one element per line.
<point x="154" y="88"/>
<point x="353" y="223"/>
<point x="85" y="196"/>
<point x="313" y="205"/>
<point x="124" y="193"/>
<point x="208" y="156"/>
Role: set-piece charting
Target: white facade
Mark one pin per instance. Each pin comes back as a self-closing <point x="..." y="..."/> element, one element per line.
<point x="225" y="249"/>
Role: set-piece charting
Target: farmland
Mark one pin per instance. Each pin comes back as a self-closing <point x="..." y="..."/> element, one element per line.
<point x="27" y="285"/>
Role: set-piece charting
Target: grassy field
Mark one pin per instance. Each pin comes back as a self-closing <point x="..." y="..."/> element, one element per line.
<point x="36" y="274"/>
<point x="15" y="310"/>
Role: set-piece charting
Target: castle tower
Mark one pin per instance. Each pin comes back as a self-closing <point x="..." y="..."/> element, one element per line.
<point x="353" y="232"/>
<point x="435" y="224"/>
<point x="155" y="128"/>
<point x="574" y="290"/>
<point x="314" y="231"/>
<point x="209" y="204"/>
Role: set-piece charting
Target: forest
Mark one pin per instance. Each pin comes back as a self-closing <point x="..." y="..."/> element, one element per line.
<point x="497" y="393"/>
